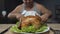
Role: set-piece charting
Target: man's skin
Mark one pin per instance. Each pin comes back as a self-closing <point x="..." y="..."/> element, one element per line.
<point x="29" y="4"/>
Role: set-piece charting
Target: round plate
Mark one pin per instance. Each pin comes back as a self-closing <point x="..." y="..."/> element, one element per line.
<point x="15" y="30"/>
<point x="48" y="28"/>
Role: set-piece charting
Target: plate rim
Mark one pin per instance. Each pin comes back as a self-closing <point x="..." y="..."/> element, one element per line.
<point x="48" y="28"/>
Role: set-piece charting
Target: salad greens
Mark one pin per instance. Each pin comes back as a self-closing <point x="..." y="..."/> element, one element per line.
<point x="29" y="29"/>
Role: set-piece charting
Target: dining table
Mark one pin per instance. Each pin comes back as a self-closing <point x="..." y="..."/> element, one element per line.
<point x="54" y="28"/>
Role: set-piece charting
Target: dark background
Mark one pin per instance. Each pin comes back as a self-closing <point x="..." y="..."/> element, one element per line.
<point x="9" y="5"/>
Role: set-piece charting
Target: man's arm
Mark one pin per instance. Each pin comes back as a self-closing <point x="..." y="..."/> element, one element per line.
<point x="15" y="12"/>
<point x="45" y="12"/>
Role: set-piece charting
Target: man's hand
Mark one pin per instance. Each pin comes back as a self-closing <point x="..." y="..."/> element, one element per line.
<point x="44" y="18"/>
<point x="18" y="16"/>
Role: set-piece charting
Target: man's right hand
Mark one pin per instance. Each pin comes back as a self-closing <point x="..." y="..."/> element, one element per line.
<point x="18" y="16"/>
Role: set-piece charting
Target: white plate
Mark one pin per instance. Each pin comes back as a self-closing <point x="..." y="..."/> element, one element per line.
<point x="46" y="30"/>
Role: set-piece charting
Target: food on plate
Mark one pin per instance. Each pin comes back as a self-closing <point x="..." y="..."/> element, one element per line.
<point x="30" y="21"/>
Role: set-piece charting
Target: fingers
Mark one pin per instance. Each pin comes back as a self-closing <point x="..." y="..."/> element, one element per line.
<point x="19" y="16"/>
<point x="44" y="18"/>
